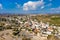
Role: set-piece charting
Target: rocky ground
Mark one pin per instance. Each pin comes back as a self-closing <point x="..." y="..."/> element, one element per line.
<point x="24" y="28"/>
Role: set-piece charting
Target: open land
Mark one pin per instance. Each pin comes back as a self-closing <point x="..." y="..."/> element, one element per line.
<point x="30" y="27"/>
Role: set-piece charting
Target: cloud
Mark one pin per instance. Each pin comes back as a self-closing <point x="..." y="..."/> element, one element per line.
<point x="17" y="5"/>
<point x="1" y="6"/>
<point x="42" y="7"/>
<point x="50" y="4"/>
<point x="56" y="10"/>
<point x="30" y="5"/>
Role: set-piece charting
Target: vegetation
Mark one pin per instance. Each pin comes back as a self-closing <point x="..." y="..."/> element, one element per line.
<point x="16" y="26"/>
<point x="2" y="28"/>
<point x="52" y="19"/>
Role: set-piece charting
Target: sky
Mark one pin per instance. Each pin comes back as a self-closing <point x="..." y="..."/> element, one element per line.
<point x="29" y="6"/>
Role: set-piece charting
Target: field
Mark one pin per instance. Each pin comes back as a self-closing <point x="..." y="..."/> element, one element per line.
<point x="53" y="19"/>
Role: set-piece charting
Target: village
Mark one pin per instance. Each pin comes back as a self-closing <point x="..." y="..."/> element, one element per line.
<point x="26" y="28"/>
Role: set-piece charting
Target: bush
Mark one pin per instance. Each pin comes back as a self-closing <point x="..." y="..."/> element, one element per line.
<point x="2" y="28"/>
<point x="16" y="33"/>
<point x="26" y="38"/>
